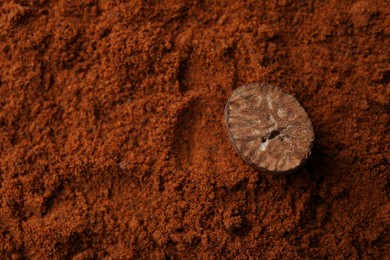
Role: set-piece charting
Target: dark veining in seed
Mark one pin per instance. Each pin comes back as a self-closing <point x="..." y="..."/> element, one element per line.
<point x="268" y="128"/>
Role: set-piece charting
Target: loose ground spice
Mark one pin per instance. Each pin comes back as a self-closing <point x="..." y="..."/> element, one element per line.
<point x="112" y="141"/>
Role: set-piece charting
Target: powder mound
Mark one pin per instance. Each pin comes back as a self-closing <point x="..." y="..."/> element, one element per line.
<point x="113" y="143"/>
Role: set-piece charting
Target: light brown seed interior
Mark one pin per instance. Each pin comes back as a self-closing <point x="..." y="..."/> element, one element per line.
<point x="269" y="128"/>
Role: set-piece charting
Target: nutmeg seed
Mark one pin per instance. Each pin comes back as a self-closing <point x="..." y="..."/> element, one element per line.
<point x="268" y="128"/>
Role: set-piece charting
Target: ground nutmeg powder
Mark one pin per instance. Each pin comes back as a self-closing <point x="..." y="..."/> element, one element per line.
<point x="112" y="135"/>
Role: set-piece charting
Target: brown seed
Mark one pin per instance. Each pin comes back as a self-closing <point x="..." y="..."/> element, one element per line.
<point x="268" y="128"/>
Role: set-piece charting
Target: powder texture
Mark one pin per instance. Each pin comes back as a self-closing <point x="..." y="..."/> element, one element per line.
<point x="112" y="138"/>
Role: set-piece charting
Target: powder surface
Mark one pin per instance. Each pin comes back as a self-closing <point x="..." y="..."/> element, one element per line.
<point x="112" y="138"/>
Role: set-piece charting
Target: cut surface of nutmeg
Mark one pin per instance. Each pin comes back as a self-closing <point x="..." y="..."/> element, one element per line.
<point x="268" y="128"/>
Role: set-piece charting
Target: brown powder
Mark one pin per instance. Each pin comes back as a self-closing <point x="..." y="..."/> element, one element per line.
<point x="112" y="141"/>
